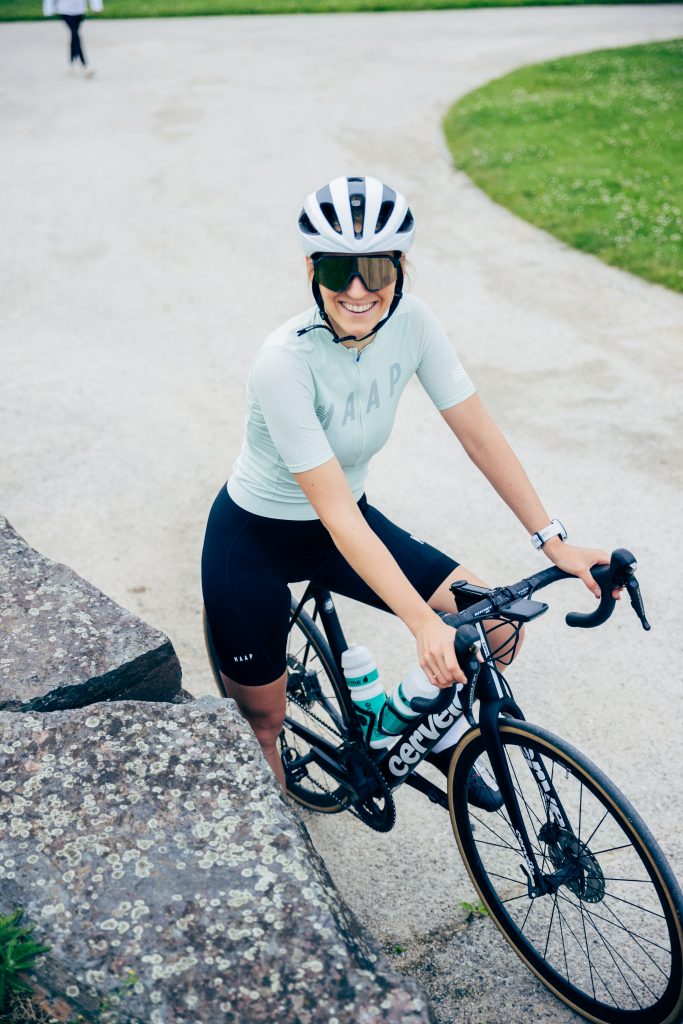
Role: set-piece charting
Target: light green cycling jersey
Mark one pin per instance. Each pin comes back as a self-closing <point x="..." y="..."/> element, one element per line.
<point x="310" y="400"/>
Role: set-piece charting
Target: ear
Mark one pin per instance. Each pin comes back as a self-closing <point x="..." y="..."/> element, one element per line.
<point x="309" y="269"/>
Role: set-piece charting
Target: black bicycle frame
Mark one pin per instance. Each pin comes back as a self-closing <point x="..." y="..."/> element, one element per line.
<point x="398" y="765"/>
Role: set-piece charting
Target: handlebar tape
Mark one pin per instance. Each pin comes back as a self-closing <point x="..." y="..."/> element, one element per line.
<point x="616" y="574"/>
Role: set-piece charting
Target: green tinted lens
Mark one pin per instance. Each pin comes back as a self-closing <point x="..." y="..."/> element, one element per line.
<point x="335" y="272"/>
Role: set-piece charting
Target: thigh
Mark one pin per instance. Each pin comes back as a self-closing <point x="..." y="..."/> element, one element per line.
<point x="246" y="598"/>
<point x="424" y="565"/>
<point x="247" y="563"/>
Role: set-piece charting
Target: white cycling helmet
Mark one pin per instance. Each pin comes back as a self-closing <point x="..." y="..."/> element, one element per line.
<point x="356" y="215"/>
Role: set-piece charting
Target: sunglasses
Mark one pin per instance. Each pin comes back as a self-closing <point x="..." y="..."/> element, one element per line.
<point x="336" y="271"/>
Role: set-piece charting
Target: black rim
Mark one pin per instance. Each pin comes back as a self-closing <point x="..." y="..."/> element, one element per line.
<point x="608" y="942"/>
<point x="313" y="701"/>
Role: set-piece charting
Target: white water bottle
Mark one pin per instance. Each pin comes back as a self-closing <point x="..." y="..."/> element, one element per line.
<point x="367" y="693"/>
<point x="397" y="713"/>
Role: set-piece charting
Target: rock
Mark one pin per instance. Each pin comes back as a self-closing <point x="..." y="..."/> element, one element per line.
<point x="152" y="849"/>
<point x="64" y="644"/>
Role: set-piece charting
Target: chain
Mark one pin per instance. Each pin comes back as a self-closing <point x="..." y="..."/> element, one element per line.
<point x="381" y="820"/>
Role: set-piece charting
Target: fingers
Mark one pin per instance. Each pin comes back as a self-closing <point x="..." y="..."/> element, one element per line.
<point x="442" y="667"/>
<point x="443" y="675"/>
<point x="436" y="651"/>
<point x="586" y="578"/>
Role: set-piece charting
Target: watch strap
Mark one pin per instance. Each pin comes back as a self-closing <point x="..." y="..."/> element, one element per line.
<point x="553" y="529"/>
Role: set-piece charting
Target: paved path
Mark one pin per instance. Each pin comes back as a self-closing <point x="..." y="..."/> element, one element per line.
<point x="149" y="245"/>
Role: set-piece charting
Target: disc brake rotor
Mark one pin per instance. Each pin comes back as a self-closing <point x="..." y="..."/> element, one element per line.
<point x="566" y="852"/>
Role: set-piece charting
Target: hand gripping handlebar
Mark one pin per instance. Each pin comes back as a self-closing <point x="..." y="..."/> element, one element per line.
<point x="619" y="573"/>
<point x="466" y="646"/>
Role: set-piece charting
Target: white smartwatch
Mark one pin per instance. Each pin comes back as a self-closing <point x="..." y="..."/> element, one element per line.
<point x="553" y="529"/>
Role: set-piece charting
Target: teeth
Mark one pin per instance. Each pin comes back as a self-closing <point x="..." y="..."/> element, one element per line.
<point x="358" y="309"/>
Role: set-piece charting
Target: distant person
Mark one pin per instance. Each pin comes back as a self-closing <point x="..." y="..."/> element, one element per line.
<point x="73" y="13"/>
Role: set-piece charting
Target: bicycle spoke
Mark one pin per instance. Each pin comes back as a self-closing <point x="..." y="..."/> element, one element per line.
<point x="638" y="881"/>
<point x="584" y="846"/>
<point x="636" y="905"/>
<point x="526" y="916"/>
<point x="613" y="849"/>
<point x="500" y="846"/>
<point x="564" y="948"/>
<point x="521" y="896"/>
<point x="591" y="965"/>
<point x="609" y="948"/>
<point x="516" y="881"/>
<point x="635" y="939"/>
<point x="550" y="926"/>
<point x="480" y="821"/>
<point x="585" y="937"/>
<point x="614" y="952"/>
<point x="619" y="925"/>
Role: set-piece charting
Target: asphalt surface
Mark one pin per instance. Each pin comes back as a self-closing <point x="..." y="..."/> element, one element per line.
<point x="149" y="248"/>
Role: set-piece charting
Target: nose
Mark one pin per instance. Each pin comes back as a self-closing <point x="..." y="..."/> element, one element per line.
<point x="356" y="287"/>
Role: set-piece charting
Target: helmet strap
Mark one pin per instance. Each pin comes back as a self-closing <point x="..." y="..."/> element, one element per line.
<point x="327" y="325"/>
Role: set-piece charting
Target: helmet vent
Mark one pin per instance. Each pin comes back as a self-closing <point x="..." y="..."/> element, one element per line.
<point x="357" y="214"/>
<point x="407" y="224"/>
<point x="330" y="215"/>
<point x="384" y="214"/>
<point x="305" y="224"/>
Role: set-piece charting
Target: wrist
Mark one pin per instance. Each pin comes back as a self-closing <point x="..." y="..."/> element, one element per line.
<point x="421" y="618"/>
<point x="553" y="547"/>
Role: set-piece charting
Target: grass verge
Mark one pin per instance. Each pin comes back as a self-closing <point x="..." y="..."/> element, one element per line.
<point x="590" y="148"/>
<point x="29" y="10"/>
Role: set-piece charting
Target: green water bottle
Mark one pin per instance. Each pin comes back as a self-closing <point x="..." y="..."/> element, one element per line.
<point x="367" y="693"/>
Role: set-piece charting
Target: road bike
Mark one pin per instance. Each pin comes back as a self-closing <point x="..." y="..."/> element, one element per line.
<point x="566" y="868"/>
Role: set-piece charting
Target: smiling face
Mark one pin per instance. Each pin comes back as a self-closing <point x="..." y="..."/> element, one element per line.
<point x="356" y="310"/>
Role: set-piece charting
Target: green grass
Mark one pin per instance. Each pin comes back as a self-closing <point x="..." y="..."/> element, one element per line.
<point x="18" y="951"/>
<point x="27" y="10"/>
<point x="590" y="148"/>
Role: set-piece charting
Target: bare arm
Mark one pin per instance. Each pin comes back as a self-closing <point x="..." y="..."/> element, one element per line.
<point x="490" y="452"/>
<point x="328" y="491"/>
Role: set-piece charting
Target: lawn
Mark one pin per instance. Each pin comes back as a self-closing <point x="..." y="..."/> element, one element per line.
<point x="20" y="10"/>
<point x="590" y="148"/>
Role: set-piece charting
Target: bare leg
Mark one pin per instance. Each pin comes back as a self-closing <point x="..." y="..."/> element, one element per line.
<point x="264" y="709"/>
<point x="442" y="601"/>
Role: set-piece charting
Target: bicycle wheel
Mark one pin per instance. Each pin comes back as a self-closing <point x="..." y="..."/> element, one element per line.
<point x="609" y="941"/>
<point x="314" y="685"/>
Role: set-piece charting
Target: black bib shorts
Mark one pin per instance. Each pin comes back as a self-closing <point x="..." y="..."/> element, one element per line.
<point x="249" y="560"/>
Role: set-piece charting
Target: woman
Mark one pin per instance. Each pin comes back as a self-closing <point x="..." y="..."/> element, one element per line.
<point x="321" y="399"/>
<point x="72" y="13"/>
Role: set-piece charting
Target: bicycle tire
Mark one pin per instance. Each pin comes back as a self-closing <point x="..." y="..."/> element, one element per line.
<point x="314" y="688"/>
<point x="617" y="918"/>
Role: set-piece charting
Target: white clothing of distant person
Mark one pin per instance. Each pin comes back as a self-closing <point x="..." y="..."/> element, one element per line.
<point x="72" y="13"/>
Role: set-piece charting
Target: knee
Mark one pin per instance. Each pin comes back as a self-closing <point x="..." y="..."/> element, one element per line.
<point x="267" y="728"/>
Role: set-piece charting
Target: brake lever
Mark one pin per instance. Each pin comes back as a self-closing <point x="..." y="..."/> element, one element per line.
<point x="619" y="573"/>
<point x="637" y="601"/>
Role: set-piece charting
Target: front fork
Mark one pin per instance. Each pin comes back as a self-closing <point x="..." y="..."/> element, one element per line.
<point x="490" y="710"/>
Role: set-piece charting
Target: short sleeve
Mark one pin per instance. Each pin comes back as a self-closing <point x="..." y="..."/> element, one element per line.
<point x="440" y="371"/>
<point x="284" y="391"/>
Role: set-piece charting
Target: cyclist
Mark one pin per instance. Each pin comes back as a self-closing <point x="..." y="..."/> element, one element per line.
<point x="321" y="398"/>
